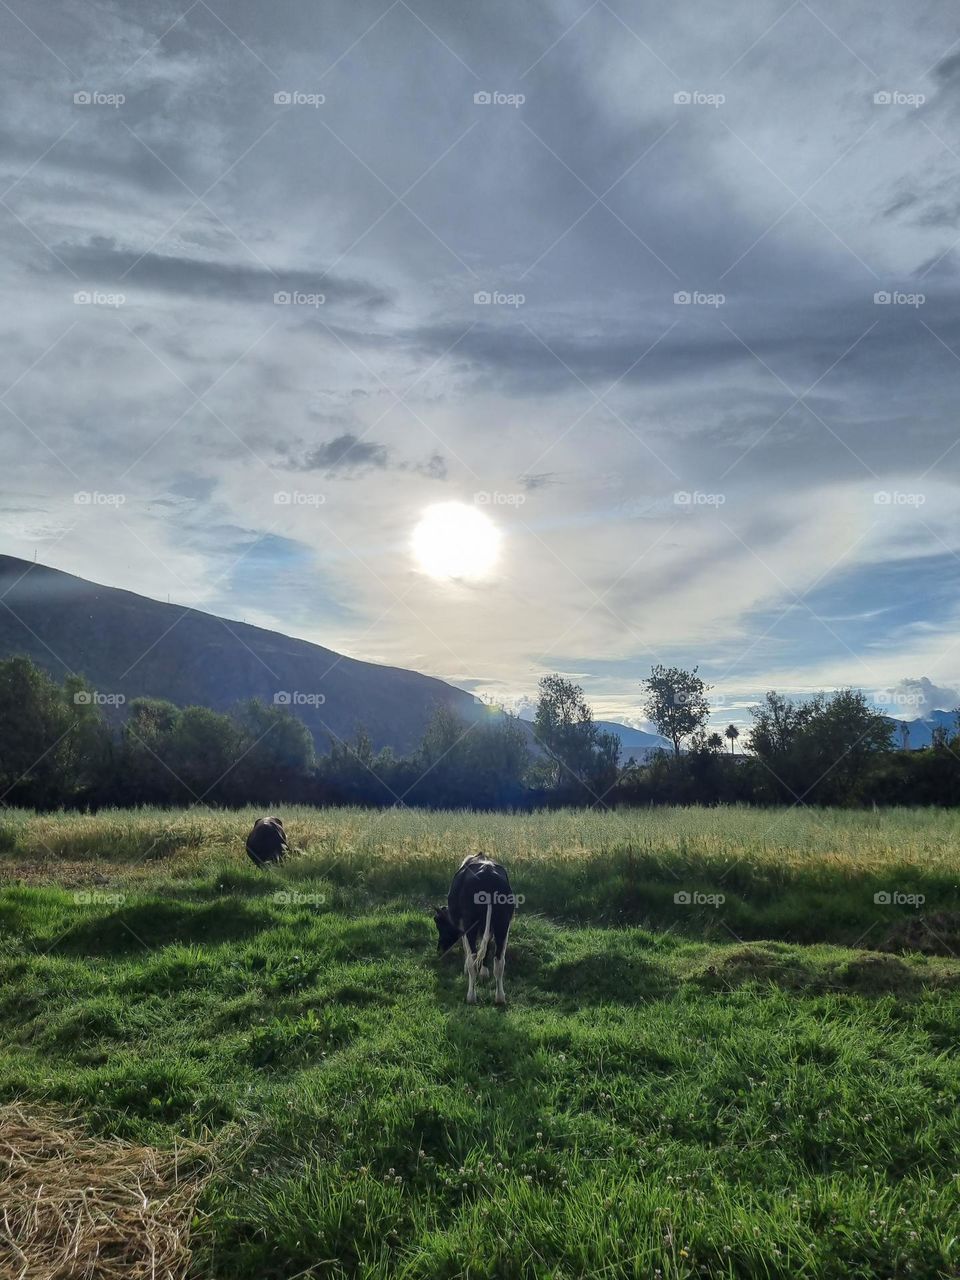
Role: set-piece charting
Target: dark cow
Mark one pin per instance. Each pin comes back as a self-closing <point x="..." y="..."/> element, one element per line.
<point x="479" y="907"/>
<point x="267" y="842"/>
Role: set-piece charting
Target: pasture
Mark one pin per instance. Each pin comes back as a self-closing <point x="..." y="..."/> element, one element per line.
<point x="730" y="1047"/>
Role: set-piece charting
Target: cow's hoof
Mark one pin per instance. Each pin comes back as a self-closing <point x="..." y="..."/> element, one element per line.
<point x="500" y="1000"/>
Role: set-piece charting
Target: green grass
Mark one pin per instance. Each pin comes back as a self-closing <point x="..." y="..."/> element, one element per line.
<point x="668" y="1098"/>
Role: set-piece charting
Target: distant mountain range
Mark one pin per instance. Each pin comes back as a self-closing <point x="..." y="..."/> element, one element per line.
<point x="921" y="731"/>
<point x="133" y="646"/>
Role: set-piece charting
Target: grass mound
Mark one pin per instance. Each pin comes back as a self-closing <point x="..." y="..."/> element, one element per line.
<point x="75" y="1206"/>
<point x="934" y="935"/>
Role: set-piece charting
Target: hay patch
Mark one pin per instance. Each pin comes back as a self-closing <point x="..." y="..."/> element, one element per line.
<point x="77" y="1207"/>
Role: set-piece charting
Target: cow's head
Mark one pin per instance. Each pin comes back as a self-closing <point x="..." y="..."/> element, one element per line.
<point x="448" y="931"/>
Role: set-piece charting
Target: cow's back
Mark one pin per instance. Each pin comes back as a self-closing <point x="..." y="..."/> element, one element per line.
<point x="478" y="884"/>
<point x="267" y="842"/>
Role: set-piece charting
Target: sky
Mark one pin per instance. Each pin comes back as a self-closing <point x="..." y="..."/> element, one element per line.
<point x="667" y="293"/>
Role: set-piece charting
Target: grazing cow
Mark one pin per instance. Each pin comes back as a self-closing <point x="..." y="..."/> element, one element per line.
<point x="479" y="906"/>
<point x="267" y="842"/>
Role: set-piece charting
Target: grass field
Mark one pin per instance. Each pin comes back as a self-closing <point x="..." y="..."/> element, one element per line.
<point x="763" y="1086"/>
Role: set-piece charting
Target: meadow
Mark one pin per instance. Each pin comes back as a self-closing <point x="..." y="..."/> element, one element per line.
<point x="730" y="1047"/>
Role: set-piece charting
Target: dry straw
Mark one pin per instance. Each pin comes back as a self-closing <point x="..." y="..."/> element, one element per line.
<point x="75" y="1207"/>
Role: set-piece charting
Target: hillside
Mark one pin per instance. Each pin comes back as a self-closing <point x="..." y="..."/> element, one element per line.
<point x="921" y="729"/>
<point x="634" y="742"/>
<point x="128" y="644"/>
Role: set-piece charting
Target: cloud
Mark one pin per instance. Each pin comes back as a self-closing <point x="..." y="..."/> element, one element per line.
<point x="913" y="699"/>
<point x="345" y="453"/>
<point x="349" y="454"/>
<point x="100" y="260"/>
<point x="781" y="411"/>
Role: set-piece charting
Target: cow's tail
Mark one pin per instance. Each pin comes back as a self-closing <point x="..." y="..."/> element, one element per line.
<point x="482" y="944"/>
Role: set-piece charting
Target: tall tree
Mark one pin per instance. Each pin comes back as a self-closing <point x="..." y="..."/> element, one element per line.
<point x="731" y="733"/>
<point x="676" y="702"/>
<point x="580" y="753"/>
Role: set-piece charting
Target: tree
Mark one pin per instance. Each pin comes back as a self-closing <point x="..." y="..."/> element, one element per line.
<point x="88" y="748"/>
<point x="276" y="754"/>
<point x="350" y="774"/>
<point x="471" y="765"/>
<point x="778" y="723"/>
<point x="497" y="760"/>
<point x="676" y="702"/>
<point x="144" y="774"/>
<point x="581" y="755"/>
<point x="821" y="748"/>
<point x="715" y="742"/>
<point x="205" y="746"/>
<point x="731" y="733"/>
<point x="54" y="743"/>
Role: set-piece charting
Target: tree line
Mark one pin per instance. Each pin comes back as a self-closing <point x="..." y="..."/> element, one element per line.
<point x="57" y="749"/>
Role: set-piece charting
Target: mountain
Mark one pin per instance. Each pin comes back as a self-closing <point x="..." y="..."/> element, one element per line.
<point x="921" y="731"/>
<point x="634" y="742"/>
<point x="130" y="645"/>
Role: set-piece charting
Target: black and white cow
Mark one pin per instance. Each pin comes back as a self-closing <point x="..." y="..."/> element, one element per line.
<point x="267" y="842"/>
<point x="480" y="906"/>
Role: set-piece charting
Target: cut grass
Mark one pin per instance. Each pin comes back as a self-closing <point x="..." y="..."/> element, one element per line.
<point x="135" y="1225"/>
<point x="648" y="1101"/>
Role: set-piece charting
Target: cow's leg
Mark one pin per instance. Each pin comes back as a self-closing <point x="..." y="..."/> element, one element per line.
<point x="470" y="969"/>
<point x="498" y="966"/>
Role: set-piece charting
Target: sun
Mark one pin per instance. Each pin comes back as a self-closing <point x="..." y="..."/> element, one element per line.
<point x="453" y="540"/>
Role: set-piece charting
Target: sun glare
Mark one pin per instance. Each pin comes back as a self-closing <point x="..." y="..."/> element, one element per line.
<point x="454" y="540"/>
